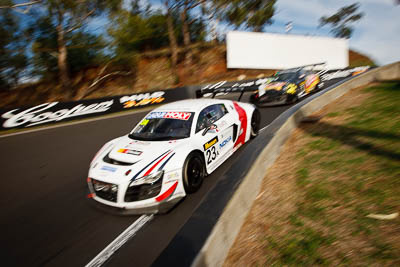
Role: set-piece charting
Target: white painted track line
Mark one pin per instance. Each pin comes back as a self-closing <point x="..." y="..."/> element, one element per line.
<point x="106" y="253"/>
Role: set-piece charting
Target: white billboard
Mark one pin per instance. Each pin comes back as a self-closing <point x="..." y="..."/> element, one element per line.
<point x="253" y="50"/>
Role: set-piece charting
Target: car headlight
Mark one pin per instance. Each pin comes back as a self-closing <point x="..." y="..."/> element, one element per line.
<point x="149" y="179"/>
<point x="105" y="187"/>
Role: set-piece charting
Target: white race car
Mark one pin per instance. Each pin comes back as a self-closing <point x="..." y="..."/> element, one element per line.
<point x="168" y="153"/>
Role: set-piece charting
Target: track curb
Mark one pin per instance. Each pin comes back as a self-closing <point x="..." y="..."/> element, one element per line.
<point x="218" y="243"/>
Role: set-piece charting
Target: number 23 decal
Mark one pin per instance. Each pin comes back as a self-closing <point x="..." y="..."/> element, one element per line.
<point x="211" y="155"/>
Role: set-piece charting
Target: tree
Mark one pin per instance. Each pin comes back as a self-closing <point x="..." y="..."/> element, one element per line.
<point x="133" y="33"/>
<point x="251" y="14"/>
<point x="84" y="50"/>
<point x="12" y="49"/>
<point x="173" y="44"/>
<point x="341" y="19"/>
<point x="65" y="17"/>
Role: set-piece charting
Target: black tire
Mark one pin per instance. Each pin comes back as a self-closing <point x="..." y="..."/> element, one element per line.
<point x="193" y="172"/>
<point x="255" y="123"/>
<point x="291" y="99"/>
<point x="295" y="99"/>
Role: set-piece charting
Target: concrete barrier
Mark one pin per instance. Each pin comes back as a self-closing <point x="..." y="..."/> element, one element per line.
<point x="216" y="248"/>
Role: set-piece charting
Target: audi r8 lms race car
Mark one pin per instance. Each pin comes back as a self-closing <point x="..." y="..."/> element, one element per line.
<point x="287" y="87"/>
<point x="168" y="154"/>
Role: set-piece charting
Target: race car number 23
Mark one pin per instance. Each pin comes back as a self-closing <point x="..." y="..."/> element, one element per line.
<point x="211" y="155"/>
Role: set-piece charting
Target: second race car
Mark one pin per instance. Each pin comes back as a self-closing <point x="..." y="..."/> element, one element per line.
<point x="287" y="87"/>
<point x="168" y="154"/>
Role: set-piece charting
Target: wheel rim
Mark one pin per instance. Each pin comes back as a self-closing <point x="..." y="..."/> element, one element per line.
<point x="195" y="172"/>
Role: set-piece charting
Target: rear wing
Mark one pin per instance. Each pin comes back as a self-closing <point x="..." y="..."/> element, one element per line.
<point x="312" y="67"/>
<point x="224" y="87"/>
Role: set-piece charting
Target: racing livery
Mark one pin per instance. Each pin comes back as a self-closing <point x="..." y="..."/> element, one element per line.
<point x="287" y="87"/>
<point x="168" y="154"/>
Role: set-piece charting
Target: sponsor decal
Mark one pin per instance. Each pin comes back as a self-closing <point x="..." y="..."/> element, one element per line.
<point x="214" y="86"/>
<point x="225" y="142"/>
<point x="136" y="142"/>
<point x="130" y="151"/>
<point x="142" y="99"/>
<point x="40" y="114"/>
<point x="291" y="88"/>
<point x="243" y="84"/>
<point x="210" y="143"/>
<point x="172" y="175"/>
<point x="144" y="122"/>
<point x="169" y="115"/>
<point x="310" y="80"/>
<point x="277" y="86"/>
<point x="109" y="169"/>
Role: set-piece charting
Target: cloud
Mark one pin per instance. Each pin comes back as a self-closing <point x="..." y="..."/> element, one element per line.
<point x="376" y="34"/>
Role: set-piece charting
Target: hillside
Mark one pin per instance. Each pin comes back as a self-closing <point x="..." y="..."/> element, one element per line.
<point x="153" y="72"/>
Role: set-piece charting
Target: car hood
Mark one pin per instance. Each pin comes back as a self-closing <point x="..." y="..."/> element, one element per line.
<point x="278" y="85"/>
<point x="132" y="151"/>
<point x="275" y="85"/>
<point x="131" y="159"/>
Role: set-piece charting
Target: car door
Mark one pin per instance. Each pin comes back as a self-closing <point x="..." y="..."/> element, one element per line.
<point x="214" y="129"/>
<point x="225" y="126"/>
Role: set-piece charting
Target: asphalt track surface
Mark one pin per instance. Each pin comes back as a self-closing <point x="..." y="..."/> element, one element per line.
<point x="45" y="217"/>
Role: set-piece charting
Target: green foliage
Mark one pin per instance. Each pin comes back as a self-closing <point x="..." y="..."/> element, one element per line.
<point x="12" y="49"/>
<point x="84" y="50"/>
<point x="252" y="14"/>
<point x="135" y="32"/>
<point x="340" y="20"/>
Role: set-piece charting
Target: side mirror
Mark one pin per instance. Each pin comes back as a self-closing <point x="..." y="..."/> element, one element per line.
<point x="205" y="131"/>
<point x="209" y="128"/>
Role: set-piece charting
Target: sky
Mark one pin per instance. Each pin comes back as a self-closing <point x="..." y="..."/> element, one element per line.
<point x="376" y="35"/>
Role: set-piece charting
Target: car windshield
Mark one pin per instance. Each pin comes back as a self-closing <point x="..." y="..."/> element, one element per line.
<point x="286" y="76"/>
<point x="162" y="126"/>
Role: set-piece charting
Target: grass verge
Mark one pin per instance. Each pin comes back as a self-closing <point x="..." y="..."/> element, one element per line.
<point x="332" y="174"/>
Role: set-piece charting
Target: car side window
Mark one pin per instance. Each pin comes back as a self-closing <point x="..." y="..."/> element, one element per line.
<point x="210" y="115"/>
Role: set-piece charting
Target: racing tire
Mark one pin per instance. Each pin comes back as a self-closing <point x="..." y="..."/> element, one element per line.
<point x="291" y="99"/>
<point x="193" y="172"/>
<point x="255" y="123"/>
<point x="295" y="99"/>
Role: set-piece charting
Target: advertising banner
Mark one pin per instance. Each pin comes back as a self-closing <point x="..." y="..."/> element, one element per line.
<point x="54" y="112"/>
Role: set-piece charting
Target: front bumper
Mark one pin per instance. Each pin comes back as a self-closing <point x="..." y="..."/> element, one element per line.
<point x="162" y="207"/>
<point x="141" y="199"/>
<point x="270" y="98"/>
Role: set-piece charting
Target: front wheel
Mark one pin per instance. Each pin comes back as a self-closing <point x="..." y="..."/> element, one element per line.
<point x="255" y="123"/>
<point x="193" y="172"/>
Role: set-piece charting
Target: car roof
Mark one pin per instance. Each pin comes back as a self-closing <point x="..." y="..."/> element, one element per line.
<point x="191" y="105"/>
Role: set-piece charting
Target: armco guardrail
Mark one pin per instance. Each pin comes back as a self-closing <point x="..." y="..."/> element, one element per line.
<point x="218" y="243"/>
